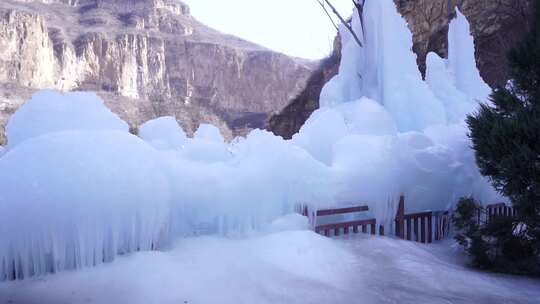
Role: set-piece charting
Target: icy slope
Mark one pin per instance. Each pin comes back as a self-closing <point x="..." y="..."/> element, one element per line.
<point x="285" y="267"/>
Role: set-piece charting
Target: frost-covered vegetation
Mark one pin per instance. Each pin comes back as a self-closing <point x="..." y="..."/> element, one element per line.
<point x="77" y="188"/>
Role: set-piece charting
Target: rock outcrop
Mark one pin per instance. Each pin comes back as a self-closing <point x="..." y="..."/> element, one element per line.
<point x="291" y="119"/>
<point x="146" y="58"/>
<point x="496" y="26"/>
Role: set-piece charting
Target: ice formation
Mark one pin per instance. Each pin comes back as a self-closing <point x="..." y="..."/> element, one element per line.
<point x="461" y="60"/>
<point x="163" y="133"/>
<point x="417" y="145"/>
<point x="77" y="110"/>
<point x="77" y="197"/>
<point x="78" y="189"/>
<point x="384" y="70"/>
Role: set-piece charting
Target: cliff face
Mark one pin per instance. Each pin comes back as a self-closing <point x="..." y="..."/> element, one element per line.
<point x="291" y="119"/>
<point x="496" y="26"/>
<point x="146" y="58"/>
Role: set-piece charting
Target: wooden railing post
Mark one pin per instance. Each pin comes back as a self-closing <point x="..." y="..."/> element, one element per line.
<point x="416" y="229"/>
<point x="430" y="229"/>
<point x="423" y="228"/>
<point x="399" y="218"/>
<point x="409" y="229"/>
<point x="437" y="226"/>
<point x="305" y="211"/>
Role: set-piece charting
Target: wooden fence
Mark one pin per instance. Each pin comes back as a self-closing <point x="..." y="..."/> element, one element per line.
<point x="488" y="213"/>
<point x="421" y="227"/>
<point x="346" y="227"/>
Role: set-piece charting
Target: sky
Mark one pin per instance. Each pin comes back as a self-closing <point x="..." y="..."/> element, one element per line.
<point x="295" y="27"/>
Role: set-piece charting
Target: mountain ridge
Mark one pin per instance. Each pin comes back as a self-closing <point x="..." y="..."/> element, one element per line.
<point x="146" y="58"/>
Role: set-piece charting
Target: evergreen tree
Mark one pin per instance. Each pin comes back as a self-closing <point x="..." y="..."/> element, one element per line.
<point x="506" y="140"/>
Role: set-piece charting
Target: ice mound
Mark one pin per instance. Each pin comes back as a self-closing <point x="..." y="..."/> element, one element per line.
<point x="263" y="179"/>
<point x="207" y="145"/>
<point x="75" y="199"/>
<point x="289" y="222"/>
<point x="209" y="133"/>
<point x="50" y="111"/>
<point x="163" y="133"/>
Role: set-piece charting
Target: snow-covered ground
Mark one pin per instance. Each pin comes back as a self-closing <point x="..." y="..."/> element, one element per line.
<point x="295" y="266"/>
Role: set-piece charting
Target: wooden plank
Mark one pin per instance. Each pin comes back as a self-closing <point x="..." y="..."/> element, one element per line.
<point x="416" y="229"/>
<point x="430" y="230"/>
<point x="325" y="212"/>
<point x="409" y="229"/>
<point x="495" y="205"/>
<point x="400" y="217"/>
<point x="423" y="229"/>
<point x="437" y="227"/>
<point x="305" y="211"/>
<point x="446" y="227"/>
<point x="345" y="224"/>
<point x="418" y="214"/>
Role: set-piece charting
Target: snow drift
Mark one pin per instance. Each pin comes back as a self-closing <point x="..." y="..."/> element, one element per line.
<point x="78" y="189"/>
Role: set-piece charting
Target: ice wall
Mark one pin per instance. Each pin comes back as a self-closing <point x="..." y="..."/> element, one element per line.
<point x="76" y="189"/>
<point x="74" y="195"/>
<point x="415" y="142"/>
<point x="384" y="70"/>
<point x="461" y="60"/>
<point x="263" y="178"/>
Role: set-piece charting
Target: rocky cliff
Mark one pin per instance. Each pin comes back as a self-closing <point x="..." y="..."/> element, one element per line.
<point x="496" y="26"/>
<point x="146" y="58"/>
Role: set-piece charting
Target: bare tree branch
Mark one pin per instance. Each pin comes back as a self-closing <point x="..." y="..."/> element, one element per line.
<point x="328" y="14"/>
<point x="360" y="9"/>
<point x="345" y="23"/>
